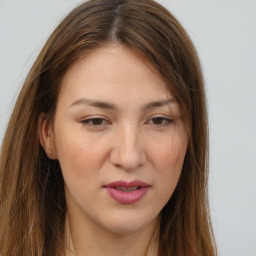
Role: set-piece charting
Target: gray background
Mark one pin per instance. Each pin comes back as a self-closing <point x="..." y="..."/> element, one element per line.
<point x="224" y="32"/>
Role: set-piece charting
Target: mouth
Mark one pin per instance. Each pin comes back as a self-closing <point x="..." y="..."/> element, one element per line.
<point x="127" y="192"/>
<point x="127" y="189"/>
<point x="127" y="186"/>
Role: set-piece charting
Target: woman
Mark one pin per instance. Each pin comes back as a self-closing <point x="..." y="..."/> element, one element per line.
<point x="106" y="150"/>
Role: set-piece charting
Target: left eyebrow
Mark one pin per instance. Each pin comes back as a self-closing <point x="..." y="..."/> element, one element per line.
<point x="155" y="104"/>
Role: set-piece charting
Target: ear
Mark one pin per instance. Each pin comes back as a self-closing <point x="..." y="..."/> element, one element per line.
<point x="46" y="136"/>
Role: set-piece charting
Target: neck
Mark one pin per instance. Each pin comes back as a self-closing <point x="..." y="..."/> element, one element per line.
<point x="143" y="242"/>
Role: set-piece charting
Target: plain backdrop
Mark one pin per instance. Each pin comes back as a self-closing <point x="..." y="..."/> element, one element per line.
<point x="224" y="33"/>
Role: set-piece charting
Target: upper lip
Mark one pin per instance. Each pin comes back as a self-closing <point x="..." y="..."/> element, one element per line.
<point x="125" y="184"/>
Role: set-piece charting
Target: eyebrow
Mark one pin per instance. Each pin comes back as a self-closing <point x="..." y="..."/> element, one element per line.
<point x="110" y="106"/>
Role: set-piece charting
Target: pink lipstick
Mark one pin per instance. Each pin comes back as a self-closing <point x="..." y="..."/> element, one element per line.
<point x="127" y="192"/>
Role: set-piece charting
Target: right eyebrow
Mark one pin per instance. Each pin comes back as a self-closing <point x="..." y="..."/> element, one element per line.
<point x="94" y="103"/>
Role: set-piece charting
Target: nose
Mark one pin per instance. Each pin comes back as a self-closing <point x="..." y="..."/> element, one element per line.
<point x="127" y="151"/>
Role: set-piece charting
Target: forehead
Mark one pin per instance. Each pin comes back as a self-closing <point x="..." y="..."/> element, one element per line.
<point x="114" y="72"/>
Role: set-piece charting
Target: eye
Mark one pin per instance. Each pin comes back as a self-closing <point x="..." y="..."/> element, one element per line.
<point x="97" y="121"/>
<point x="160" y="121"/>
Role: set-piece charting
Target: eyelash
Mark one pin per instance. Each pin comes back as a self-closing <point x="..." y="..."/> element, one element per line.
<point x="89" y="122"/>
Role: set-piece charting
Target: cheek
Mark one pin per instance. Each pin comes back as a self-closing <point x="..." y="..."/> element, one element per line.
<point x="79" y="155"/>
<point x="169" y="166"/>
<point x="168" y="161"/>
<point x="80" y="161"/>
<point x="169" y="153"/>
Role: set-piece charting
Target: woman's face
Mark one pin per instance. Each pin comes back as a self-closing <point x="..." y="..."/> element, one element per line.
<point x="120" y="140"/>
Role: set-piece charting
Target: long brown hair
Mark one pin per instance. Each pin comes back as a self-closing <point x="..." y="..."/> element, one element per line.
<point x="32" y="202"/>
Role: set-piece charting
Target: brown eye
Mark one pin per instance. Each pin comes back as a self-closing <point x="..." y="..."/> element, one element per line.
<point x="95" y="122"/>
<point x="160" y="121"/>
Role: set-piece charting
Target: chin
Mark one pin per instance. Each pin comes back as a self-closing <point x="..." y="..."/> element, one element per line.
<point x="127" y="223"/>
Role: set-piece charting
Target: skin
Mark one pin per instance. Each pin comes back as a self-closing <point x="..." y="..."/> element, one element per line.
<point x="128" y="142"/>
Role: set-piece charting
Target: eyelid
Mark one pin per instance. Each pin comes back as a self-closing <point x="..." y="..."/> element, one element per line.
<point x="161" y="116"/>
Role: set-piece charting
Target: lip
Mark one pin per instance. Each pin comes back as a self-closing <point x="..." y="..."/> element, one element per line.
<point x="127" y="197"/>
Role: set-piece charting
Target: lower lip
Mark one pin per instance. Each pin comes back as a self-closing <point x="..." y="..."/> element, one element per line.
<point x="127" y="197"/>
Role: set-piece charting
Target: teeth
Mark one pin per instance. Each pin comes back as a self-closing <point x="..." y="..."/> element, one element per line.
<point x="127" y="189"/>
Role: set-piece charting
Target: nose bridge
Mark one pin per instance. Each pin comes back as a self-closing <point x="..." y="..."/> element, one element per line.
<point x="128" y="151"/>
